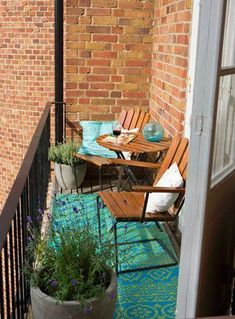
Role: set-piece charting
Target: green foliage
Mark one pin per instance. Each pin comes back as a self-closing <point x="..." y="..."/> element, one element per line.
<point x="63" y="153"/>
<point x="69" y="264"/>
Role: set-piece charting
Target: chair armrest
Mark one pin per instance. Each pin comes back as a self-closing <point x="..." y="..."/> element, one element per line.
<point x="120" y="161"/>
<point x="156" y="189"/>
<point x="93" y="159"/>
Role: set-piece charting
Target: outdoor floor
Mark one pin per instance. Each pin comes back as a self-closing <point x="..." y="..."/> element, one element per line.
<point x="142" y="294"/>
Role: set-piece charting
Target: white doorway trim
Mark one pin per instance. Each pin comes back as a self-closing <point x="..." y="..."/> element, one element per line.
<point x="192" y="66"/>
<point x="201" y="136"/>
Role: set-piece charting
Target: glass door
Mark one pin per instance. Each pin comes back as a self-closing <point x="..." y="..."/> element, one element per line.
<point x="207" y="250"/>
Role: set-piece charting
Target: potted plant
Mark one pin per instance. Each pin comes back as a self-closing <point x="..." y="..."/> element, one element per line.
<point x="70" y="274"/>
<point x="69" y="169"/>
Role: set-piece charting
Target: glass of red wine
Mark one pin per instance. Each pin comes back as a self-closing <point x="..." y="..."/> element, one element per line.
<point x="117" y="130"/>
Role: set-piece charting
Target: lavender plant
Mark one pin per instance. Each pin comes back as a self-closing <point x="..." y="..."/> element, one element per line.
<point x="69" y="263"/>
<point x="63" y="153"/>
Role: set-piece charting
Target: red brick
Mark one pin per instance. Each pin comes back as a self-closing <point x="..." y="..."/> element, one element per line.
<point x="97" y="29"/>
<point x="98" y="12"/>
<point x="84" y="3"/>
<point x="102" y="86"/>
<point x="104" y="54"/>
<point x="97" y="93"/>
<point x="115" y="94"/>
<point x="98" y="62"/>
<point x="105" y="37"/>
<point x="97" y="78"/>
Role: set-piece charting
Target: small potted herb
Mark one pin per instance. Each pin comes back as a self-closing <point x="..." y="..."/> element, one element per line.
<point x="69" y="169"/>
<point x="70" y="273"/>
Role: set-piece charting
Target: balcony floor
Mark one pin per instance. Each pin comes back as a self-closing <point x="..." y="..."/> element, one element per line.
<point x="141" y="294"/>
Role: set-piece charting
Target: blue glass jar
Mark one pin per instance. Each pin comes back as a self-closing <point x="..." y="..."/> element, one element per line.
<point x="153" y="132"/>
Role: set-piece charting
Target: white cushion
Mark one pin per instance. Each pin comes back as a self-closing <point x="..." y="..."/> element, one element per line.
<point x="161" y="202"/>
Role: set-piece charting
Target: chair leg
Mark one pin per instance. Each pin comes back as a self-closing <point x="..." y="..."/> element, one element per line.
<point x="116" y="246"/>
<point x="100" y="178"/>
<point x="158" y="226"/>
<point x="165" y="248"/>
<point x="98" y="215"/>
<point x="173" y="261"/>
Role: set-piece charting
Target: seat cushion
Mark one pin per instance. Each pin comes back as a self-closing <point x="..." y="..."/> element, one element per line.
<point x="92" y="130"/>
<point x="161" y="202"/>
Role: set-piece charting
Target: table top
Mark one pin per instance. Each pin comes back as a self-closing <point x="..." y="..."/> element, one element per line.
<point x="137" y="145"/>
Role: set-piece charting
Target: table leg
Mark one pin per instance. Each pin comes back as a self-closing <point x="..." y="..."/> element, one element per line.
<point x="128" y="171"/>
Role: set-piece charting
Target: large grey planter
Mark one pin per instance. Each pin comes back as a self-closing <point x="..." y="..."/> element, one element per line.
<point x="45" y="307"/>
<point x="70" y="177"/>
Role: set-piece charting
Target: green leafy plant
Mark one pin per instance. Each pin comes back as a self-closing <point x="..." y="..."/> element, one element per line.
<point x="69" y="263"/>
<point x="63" y="153"/>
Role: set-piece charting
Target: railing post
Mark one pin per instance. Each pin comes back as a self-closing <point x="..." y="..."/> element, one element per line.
<point x="59" y="71"/>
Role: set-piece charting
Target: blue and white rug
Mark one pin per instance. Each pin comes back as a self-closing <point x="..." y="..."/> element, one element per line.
<point x="141" y="294"/>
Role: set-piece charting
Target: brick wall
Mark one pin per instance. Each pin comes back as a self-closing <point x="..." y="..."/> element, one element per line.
<point x="113" y="47"/>
<point x="172" y="19"/>
<point x="26" y="81"/>
<point x="108" y="57"/>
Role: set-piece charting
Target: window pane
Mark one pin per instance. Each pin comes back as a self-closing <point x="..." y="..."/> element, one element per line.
<point x="228" y="56"/>
<point x="224" y="147"/>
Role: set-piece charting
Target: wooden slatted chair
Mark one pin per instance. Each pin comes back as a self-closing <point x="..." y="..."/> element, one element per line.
<point x="131" y="206"/>
<point x="129" y="120"/>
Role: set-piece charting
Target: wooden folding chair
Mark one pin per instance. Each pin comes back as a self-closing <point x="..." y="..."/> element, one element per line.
<point x="131" y="206"/>
<point x="129" y="120"/>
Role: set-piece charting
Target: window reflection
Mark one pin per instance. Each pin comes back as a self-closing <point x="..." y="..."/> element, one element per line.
<point x="228" y="55"/>
<point x="224" y="147"/>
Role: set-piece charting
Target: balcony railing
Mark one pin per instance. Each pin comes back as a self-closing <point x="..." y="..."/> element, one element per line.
<point x="28" y="194"/>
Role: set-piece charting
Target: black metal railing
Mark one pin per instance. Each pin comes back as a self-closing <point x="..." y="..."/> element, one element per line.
<point x="28" y="195"/>
<point x="60" y="121"/>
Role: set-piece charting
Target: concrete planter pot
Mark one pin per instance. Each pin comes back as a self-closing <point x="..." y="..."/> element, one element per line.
<point x="44" y="306"/>
<point x="70" y="177"/>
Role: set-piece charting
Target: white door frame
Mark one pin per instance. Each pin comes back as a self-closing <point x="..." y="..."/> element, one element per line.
<point x="201" y="139"/>
<point x="192" y="66"/>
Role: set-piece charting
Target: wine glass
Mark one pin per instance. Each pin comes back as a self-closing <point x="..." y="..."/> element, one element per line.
<point x="117" y="130"/>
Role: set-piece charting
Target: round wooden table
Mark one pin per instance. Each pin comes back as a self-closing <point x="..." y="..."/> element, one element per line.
<point x="137" y="145"/>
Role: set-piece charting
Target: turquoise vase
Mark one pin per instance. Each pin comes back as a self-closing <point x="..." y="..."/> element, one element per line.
<point x="153" y="132"/>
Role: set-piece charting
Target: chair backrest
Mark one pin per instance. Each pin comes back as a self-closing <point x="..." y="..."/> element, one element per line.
<point x="134" y="118"/>
<point x="177" y="153"/>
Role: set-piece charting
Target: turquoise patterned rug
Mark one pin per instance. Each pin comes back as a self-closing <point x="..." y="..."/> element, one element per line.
<point x="141" y="294"/>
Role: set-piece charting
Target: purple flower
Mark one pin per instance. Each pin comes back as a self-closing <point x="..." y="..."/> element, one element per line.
<point x="74" y="282"/>
<point x="40" y="211"/>
<point x="87" y="309"/>
<point x="111" y="295"/>
<point x="75" y="210"/>
<point x="39" y="218"/>
<point x="52" y="283"/>
<point x="29" y="219"/>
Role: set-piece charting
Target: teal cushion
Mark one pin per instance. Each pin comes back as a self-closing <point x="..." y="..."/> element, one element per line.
<point x="106" y="128"/>
<point x="92" y="130"/>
